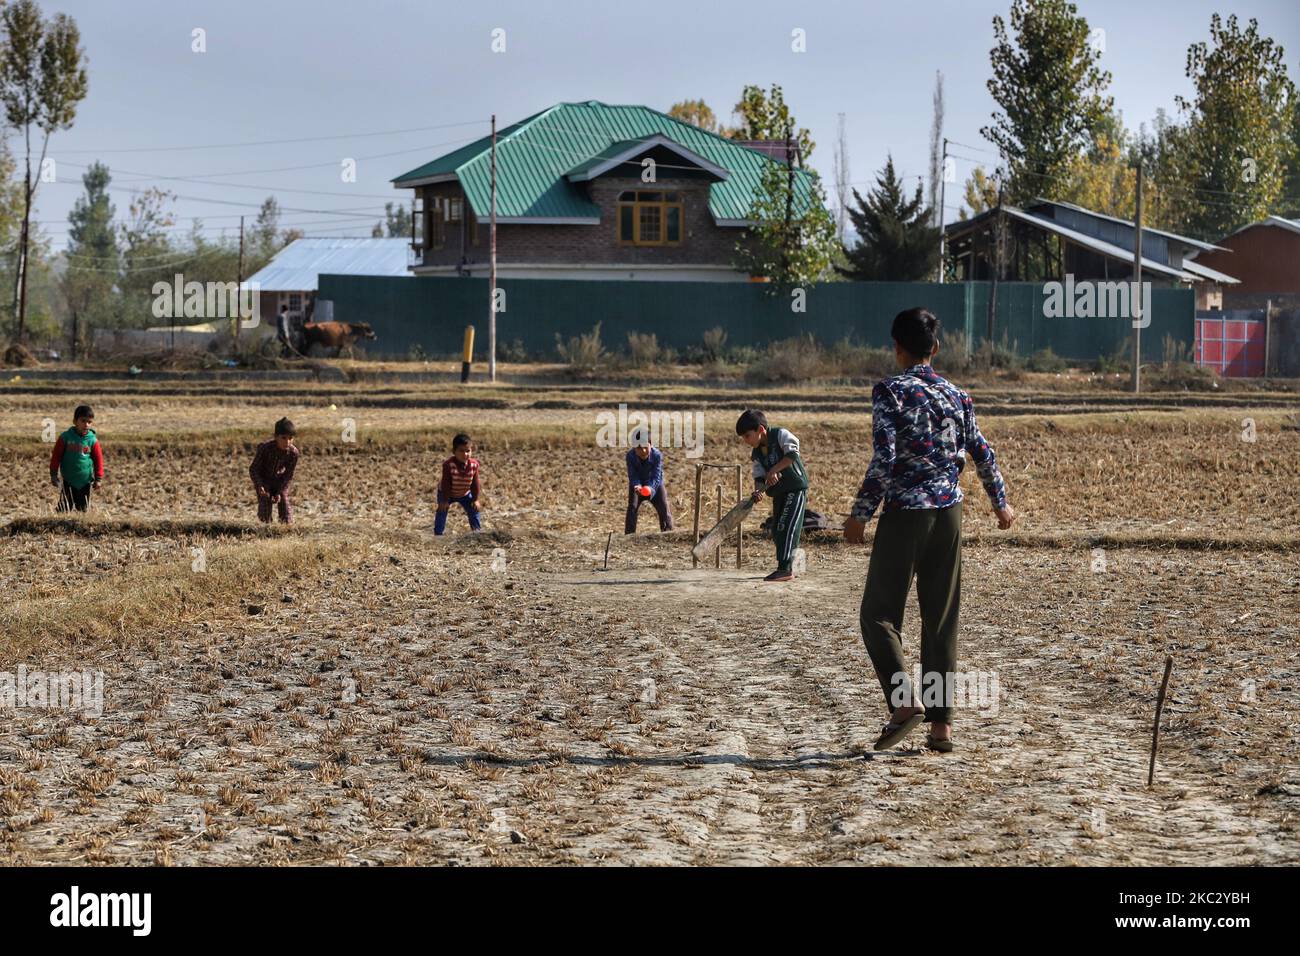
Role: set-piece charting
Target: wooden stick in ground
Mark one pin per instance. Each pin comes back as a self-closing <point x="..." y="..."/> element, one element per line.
<point x="1155" y="731"/>
<point x="608" y="541"/>
<point x="699" y="471"/>
<point x="740" y="528"/>
<point x="717" y="555"/>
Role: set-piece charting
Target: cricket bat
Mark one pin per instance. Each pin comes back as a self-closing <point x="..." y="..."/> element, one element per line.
<point x="729" y="523"/>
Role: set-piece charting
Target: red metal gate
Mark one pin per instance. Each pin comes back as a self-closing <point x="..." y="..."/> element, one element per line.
<point x="1231" y="344"/>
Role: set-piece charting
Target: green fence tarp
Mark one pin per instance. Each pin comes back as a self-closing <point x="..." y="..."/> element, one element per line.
<point x="432" y="313"/>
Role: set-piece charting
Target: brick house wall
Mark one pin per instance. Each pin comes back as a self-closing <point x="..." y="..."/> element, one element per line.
<point x="703" y="241"/>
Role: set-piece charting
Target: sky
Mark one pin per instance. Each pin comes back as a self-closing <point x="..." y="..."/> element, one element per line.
<point x="287" y="90"/>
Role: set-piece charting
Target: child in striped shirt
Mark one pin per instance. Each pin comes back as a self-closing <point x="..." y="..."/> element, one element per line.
<point x="459" y="485"/>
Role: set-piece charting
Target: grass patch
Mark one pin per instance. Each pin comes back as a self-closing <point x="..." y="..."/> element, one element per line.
<point x="164" y="597"/>
<point x="95" y="527"/>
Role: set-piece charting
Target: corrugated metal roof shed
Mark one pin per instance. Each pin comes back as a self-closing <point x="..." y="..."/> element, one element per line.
<point x="534" y="155"/>
<point x="1147" y="231"/>
<point x="297" y="266"/>
<point x="1091" y="242"/>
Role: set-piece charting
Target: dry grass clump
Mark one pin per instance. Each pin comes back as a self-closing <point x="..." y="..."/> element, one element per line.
<point x="94" y="526"/>
<point x="163" y="596"/>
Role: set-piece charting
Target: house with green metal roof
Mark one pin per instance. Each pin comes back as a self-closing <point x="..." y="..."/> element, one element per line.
<point x="590" y="190"/>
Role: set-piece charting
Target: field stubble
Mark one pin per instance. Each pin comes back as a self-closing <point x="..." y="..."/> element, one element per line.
<point x="360" y="692"/>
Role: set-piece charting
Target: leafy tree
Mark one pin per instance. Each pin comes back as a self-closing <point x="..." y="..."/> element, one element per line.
<point x="936" y="147"/>
<point x="1049" y="89"/>
<point x="897" y="240"/>
<point x="396" y="224"/>
<point x="1103" y="177"/>
<point x="1242" y="117"/>
<point x="1290" y="203"/>
<point x="42" y="79"/>
<point x="766" y="116"/>
<point x="267" y="238"/>
<point x="1167" y="202"/>
<point x="698" y="113"/>
<point x="980" y="193"/>
<point x="792" y="241"/>
<point x="12" y="194"/>
<point x="148" y="254"/>
<point x="89" y="281"/>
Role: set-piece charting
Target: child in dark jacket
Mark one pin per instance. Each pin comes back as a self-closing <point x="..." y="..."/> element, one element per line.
<point x="79" y="459"/>
<point x="645" y="479"/>
<point x="272" y="471"/>
<point x="459" y="484"/>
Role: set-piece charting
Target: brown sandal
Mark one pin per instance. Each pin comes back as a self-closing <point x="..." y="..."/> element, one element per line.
<point x="892" y="734"/>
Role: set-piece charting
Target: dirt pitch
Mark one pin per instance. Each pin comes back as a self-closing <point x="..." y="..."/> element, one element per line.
<point x="357" y="691"/>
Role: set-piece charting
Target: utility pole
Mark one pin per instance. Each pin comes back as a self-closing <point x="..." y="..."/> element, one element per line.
<point x="239" y="285"/>
<point x="943" y="182"/>
<point x="997" y="272"/>
<point x="492" y="263"/>
<point x="789" y="203"/>
<point x="1135" y="297"/>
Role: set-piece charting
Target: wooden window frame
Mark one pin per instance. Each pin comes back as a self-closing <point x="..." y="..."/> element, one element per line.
<point x="437" y="224"/>
<point x="417" y="222"/>
<point x="663" y="204"/>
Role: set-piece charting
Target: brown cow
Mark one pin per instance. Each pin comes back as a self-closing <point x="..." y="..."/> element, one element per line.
<point x="335" y="335"/>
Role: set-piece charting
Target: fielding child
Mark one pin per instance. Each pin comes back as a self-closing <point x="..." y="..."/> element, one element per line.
<point x="79" y="458"/>
<point x="459" y="485"/>
<point x="778" y="471"/>
<point x="923" y="427"/>
<point x="272" y="471"/>
<point x="645" y="479"/>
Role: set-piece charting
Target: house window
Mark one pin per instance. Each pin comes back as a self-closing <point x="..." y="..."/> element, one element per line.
<point x="437" y="224"/>
<point x="417" y="222"/>
<point x="647" y="218"/>
<point x="454" y="210"/>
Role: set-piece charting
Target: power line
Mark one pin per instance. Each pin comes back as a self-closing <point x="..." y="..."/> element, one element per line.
<point x="198" y="177"/>
<point x="273" y="142"/>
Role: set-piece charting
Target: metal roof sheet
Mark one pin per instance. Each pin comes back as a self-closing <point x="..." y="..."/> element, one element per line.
<point x="1186" y="240"/>
<point x="1097" y="245"/>
<point x="1291" y="224"/>
<point x="534" y="156"/>
<point x="1194" y="267"/>
<point x="295" y="268"/>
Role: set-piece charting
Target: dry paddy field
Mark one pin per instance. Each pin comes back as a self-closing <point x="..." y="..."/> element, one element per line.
<point x="356" y="691"/>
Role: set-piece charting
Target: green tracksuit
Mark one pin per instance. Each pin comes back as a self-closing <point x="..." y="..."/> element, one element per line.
<point x="789" y="494"/>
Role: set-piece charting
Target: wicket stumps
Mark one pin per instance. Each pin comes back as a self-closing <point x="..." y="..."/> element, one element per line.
<point x="699" y="490"/>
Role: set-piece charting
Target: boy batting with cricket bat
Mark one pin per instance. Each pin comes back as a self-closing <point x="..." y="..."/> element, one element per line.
<point x="779" y="472"/>
<point x="922" y="427"/>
